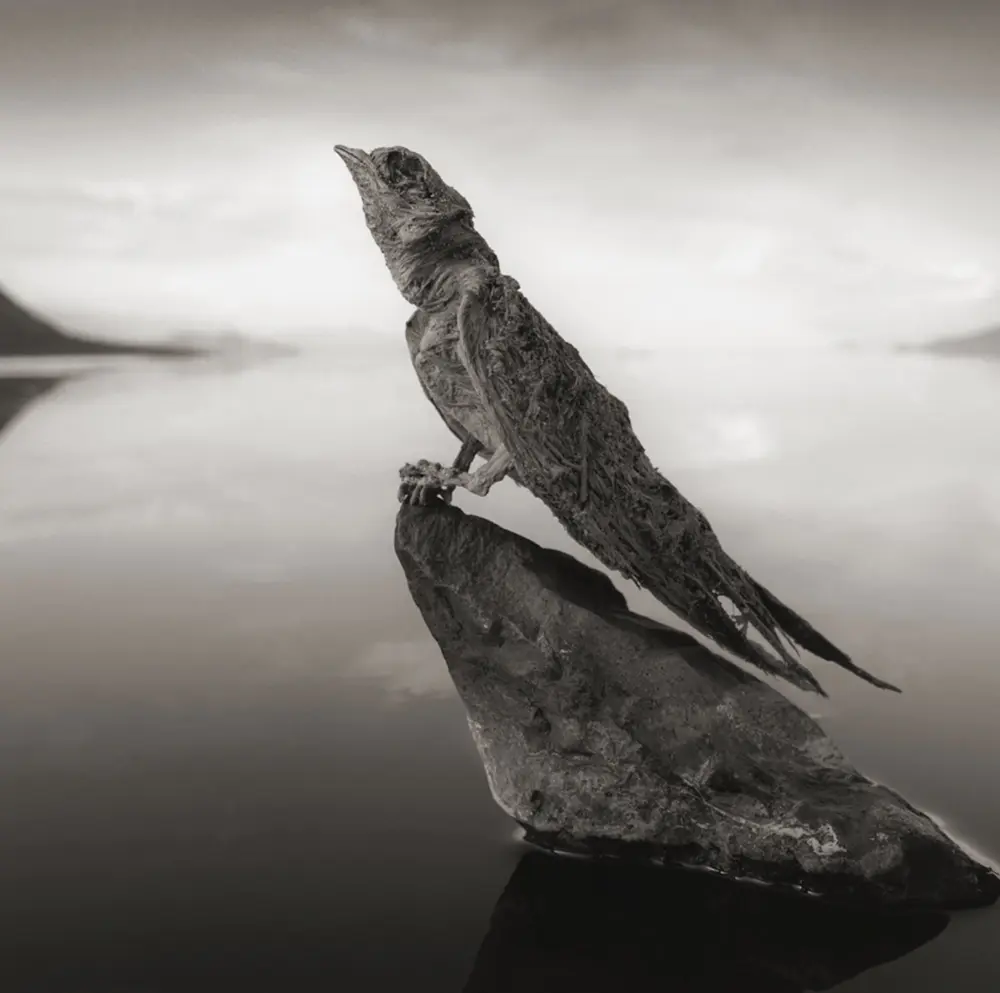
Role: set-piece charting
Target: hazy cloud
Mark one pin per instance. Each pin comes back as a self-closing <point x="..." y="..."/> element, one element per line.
<point x="266" y="72"/>
<point x="407" y="669"/>
<point x="738" y="171"/>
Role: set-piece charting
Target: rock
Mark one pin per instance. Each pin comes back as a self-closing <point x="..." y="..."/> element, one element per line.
<point x="568" y="925"/>
<point x="603" y="732"/>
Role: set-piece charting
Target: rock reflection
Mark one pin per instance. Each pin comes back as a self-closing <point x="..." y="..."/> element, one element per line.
<point x="577" y="926"/>
<point x="19" y="392"/>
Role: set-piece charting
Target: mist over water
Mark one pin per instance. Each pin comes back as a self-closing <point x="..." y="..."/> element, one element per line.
<point x="230" y="749"/>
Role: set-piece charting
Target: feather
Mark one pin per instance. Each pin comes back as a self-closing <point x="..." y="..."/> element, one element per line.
<point x="511" y="382"/>
<point x="415" y="328"/>
<point x="574" y="448"/>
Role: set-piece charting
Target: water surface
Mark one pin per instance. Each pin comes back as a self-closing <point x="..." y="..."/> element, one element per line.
<point x="230" y="754"/>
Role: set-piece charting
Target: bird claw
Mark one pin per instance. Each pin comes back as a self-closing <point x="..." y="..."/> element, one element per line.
<point x="422" y="494"/>
<point x="425" y="483"/>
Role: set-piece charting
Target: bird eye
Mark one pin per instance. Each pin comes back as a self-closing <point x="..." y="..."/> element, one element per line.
<point x="392" y="161"/>
<point x="400" y="167"/>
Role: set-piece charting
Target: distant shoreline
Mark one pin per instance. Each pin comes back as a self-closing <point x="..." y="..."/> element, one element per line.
<point x="69" y="346"/>
<point x="25" y="335"/>
<point x="981" y="345"/>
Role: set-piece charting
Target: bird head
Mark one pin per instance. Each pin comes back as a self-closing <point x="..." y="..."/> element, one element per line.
<point x="404" y="198"/>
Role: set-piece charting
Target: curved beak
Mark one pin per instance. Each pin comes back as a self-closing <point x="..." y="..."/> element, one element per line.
<point x="354" y="158"/>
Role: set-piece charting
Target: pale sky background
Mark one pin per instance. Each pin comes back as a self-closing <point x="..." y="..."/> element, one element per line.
<point x="756" y="173"/>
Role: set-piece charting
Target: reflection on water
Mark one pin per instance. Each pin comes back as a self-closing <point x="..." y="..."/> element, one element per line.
<point x="18" y="392"/>
<point x="563" y="925"/>
<point x="229" y="752"/>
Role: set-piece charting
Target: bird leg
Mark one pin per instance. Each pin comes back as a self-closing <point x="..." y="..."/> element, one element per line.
<point x="426" y="482"/>
<point x="496" y="467"/>
<point x="471" y="447"/>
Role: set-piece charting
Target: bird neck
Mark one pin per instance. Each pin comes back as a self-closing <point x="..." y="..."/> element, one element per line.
<point x="433" y="271"/>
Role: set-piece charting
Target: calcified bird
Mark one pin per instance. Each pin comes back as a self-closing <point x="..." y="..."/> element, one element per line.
<point x="514" y="392"/>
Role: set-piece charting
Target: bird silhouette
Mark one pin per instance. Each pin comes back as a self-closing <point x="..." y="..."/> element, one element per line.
<point x="517" y="394"/>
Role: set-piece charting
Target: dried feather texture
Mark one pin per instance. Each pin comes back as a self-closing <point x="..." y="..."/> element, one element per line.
<point x="499" y="373"/>
<point x="575" y="449"/>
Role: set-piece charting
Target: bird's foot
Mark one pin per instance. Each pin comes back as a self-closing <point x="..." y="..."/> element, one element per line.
<point x="423" y="483"/>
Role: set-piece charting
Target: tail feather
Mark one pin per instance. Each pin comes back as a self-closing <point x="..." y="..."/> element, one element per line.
<point x="735" y="584"/>
<point x="712" y="620"/>
<point x="562" y="426"/>
<point x="800" y="631"/>
<point x="783" y="630"/>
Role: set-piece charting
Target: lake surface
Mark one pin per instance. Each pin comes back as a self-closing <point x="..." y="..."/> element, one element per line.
<point x="230" y="754"/>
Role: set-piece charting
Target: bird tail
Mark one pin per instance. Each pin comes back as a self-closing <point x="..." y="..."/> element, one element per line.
<point x="711" y="619"/>
<point x="784" y="631"/>
<point x="798" y="630"/>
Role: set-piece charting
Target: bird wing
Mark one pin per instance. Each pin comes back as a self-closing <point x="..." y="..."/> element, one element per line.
<point x="415" y="328"/>
<point x="573" y="446"/>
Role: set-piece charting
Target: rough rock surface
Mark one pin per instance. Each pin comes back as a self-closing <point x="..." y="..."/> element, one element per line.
<point x="605" y="732"/>
<point x="572" y="925"/>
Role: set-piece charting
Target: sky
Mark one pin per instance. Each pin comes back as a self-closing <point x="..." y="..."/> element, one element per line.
<point x="765" y="173"/>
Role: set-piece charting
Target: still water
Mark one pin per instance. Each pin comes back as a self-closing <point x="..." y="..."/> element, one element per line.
<point x="230" y="755"/>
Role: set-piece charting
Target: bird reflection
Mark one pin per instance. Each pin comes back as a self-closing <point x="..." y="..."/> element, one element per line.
<point x="19" y="392"/>
<point x="573" y="926"/>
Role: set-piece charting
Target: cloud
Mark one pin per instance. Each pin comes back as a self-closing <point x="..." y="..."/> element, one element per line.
<point x="266" y="72"/>
<point x="119" y="198"/>
<point x="407" y="669"/>
<point x="160" y="218"/>
<point x="705" y="190"/>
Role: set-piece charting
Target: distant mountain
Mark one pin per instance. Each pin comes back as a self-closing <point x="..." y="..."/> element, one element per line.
<point x="982" y="344"/>
<point x="232" y="343"/>
<point x="23" y="333"/>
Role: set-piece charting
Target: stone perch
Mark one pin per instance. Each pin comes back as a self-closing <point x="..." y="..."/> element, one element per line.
<point x="603" y="732"/>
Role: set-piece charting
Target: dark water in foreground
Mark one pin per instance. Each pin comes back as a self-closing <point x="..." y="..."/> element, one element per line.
<point x="229" y="754"/>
